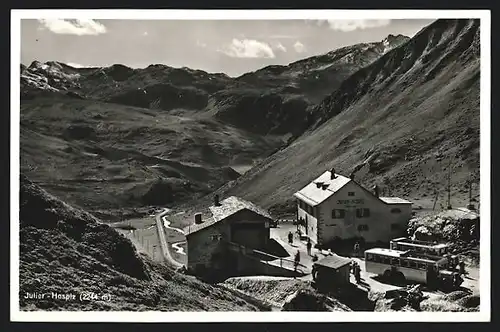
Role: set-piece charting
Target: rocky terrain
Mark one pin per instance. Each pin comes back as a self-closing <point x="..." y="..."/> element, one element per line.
<point x="404" y="122"/>
<point x="66" y="250"/>
<point x="300" y="295"/>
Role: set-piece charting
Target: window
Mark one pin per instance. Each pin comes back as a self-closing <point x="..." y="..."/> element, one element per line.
<point x="338" y="213"/>
<point x="369" y="257"/>
<point x="362" y="213"/>
<point x="362" y="228"/>
<point x="350" y="193"/>
<point x="395" y="261"/>
<point x="395" y="227"/>
<point x="215" y="238"/>
<point x="386" y="260"/>
<point x="413" y="265"/>
<point x="395" y="210"/>
<point x="405" y="263"/>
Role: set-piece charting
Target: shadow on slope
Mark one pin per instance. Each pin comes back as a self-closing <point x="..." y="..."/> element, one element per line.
<point x="64" y="250"/>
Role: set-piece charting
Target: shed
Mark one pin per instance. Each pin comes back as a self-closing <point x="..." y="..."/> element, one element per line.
<point x="332" y="271"/>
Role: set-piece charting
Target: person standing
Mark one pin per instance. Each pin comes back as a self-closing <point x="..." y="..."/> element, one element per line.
<point x="290" y="237"/>
<point x="357" y="273"/>
<point x="356" y="249"/>
<point x="462" y="267"/>
<point x="309" y="246"/>
<point x="297" y="260"/>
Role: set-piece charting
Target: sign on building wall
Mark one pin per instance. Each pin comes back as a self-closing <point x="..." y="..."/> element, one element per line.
<point x="351" y="201"/>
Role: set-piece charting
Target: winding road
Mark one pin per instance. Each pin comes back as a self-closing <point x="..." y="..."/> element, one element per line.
<point x="163" y="241"/>
<point x="175" y="245"/>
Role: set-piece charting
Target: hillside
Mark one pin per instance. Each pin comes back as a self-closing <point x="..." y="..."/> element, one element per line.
<point x="399" y="122"/>
<point x="107" y="157"/>
<point x="68" y="251"/>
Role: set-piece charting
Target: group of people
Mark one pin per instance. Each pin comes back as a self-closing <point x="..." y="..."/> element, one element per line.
<point x="308" y="245"/>
<point x="297" y="254"/>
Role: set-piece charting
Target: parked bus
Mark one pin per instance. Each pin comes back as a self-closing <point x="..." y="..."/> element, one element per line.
<point x="404" y="243"/>
<point x="412" y="266"/>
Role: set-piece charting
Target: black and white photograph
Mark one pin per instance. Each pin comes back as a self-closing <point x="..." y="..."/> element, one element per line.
<point x="177" y="165"/>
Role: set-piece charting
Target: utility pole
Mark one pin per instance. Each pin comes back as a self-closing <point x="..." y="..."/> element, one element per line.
<point x="449" y="186"/>
<point x="435" y="200"/>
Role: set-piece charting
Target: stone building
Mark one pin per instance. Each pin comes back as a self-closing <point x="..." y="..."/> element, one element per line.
<point x="336" y="207"/>
<point x="234" y="223"/>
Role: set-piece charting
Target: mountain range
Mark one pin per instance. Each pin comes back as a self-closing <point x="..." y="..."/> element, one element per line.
<point x="131" y="134"/>
<point x="397" y="113"/>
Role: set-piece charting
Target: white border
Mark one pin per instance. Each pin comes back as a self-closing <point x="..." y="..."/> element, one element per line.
<point x="485" y="92"/>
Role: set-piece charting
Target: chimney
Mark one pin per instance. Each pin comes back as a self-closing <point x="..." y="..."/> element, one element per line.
<point x="216" y="200"/>
<point x="376" y="191"/>
<point x="319" y="184"/>
<point x="324" y="186"/>
<point x="197" y="218"/>
<point x="333" y="176"/>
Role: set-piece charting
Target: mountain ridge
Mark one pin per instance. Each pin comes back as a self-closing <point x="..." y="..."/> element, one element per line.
<point x="396" y="122"/>
<point x="192" y="92"/>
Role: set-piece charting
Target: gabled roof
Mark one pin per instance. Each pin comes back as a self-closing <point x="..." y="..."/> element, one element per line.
<point x="394" y="200"/>
<point x="228" y="207"/>
<point x="313" y="195"/>
<point x="333" y="262"/>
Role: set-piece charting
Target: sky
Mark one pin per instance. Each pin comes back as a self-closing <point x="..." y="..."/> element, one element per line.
<point x="233" y="47"/>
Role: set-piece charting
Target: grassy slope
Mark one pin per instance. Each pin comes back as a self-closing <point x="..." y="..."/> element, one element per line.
<point x="66" y="250"/>
<point x="406" y="116"/>
<point x="103" y="156"/>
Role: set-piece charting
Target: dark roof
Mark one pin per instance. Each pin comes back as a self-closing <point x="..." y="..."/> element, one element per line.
<point x="333" y="262"/>
<point x="228" y="207"/>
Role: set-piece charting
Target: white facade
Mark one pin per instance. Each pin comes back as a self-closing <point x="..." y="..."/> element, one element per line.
<point x="340" y="208"/>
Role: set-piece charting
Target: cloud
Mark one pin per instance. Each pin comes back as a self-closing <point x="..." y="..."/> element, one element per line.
<point x="201" y="44"/>
<point x="280" y="47"/>
<point x="281" y="36"/>
<point x="351" y="25"/>
<point x="78" y="27"/>
<point x="248" y="48"/>
<point x="299" y="47"/>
